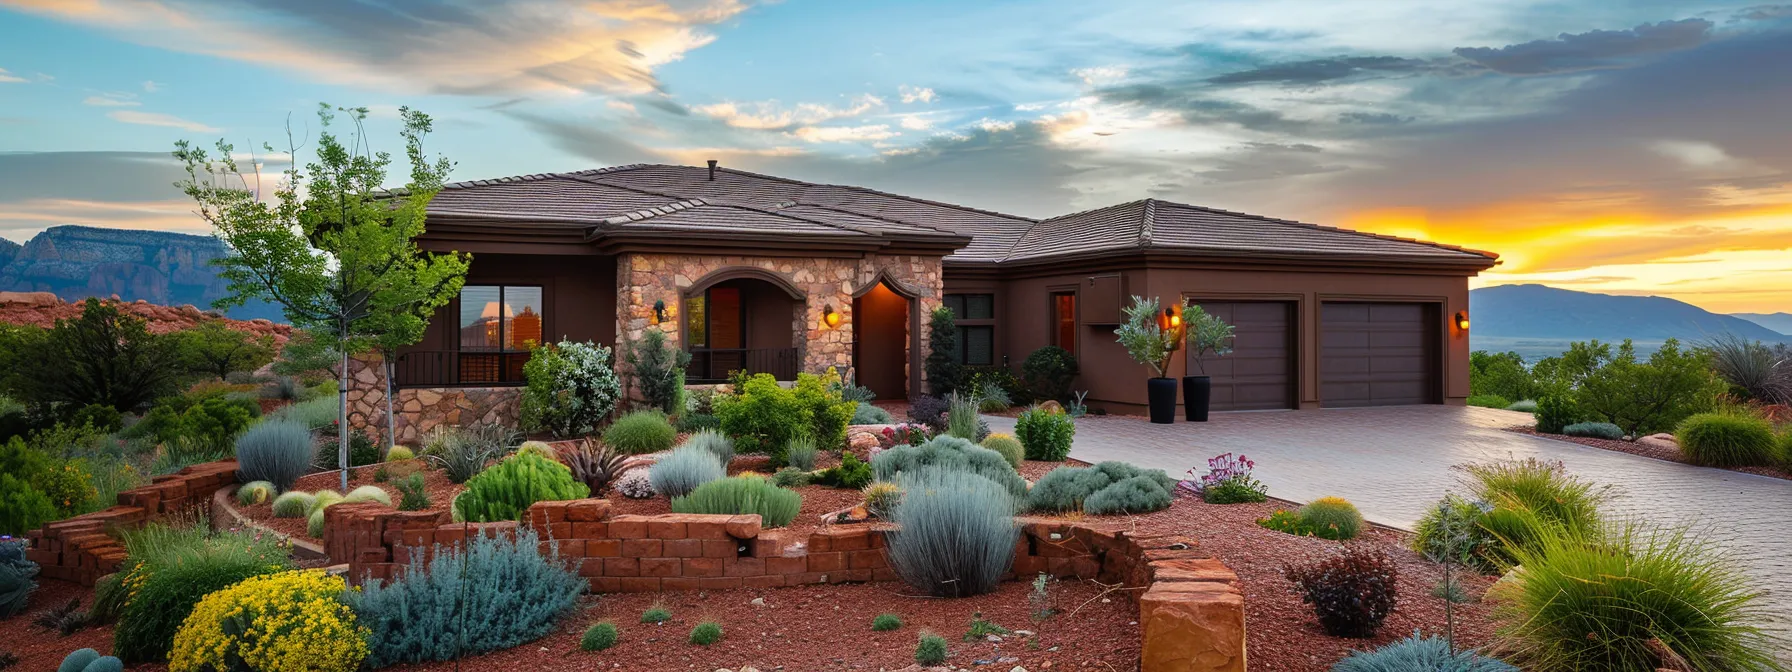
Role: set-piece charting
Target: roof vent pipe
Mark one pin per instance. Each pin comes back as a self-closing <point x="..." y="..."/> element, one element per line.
<point x="712" y="170"/>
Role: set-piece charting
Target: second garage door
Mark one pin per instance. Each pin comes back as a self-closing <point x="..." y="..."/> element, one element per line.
<point x="1259" y="374"/>
<point x="1378" y="354"/>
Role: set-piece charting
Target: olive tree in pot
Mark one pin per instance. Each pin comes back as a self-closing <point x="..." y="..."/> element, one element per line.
<point x="1151" y="336"/>
<point x="1208" y="335"/>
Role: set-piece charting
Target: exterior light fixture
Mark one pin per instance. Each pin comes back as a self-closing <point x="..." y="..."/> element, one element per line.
<point x="830" y="318"/>
<point x="1171" y="320"/>
<point x="659" y="311"/>
<point x="1462" y="320"/>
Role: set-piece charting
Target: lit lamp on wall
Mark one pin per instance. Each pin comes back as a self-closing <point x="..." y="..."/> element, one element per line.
<point x="659" y="311"/>
<point x="830" y="318"/>
<point x="1462" y="320"/>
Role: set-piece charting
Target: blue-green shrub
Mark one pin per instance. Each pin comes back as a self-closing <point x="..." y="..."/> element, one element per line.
<point x="1139" y="494"/>
<point x="1594" y="430"/>
<point x="89" y="660"/>
<point x="800" y="453"/>
<point x="1523" y="406"/>
<point x="276" y="451"/>
<point x="1072" y="488"/>
<point x="508" y="488"/>
<point x="641" y="432"/>
<point x="950" y="453"/>
<point x="677" y="474"/>
<point x="293" y="504"/>
<point x="742" y="495"/>
<point x="1723" y="440"/>
<point x="714" y="442"/>
<point x="1045" y="433"/>
<point x="957" y="532"/>
<point x="506" y="593"/>
<point x="17" y="578"/>
<point x="867" y="414"/>
<point x="1420" y="654"/>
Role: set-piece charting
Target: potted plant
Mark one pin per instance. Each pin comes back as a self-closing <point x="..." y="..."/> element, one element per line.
<point x="1207" y="335"/>
<point x="1152" y="336"/>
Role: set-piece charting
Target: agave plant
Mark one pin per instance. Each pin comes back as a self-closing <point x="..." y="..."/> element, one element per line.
<point x="594" y="464"/>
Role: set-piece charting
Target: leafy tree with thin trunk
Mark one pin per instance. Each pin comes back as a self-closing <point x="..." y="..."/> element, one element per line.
<point x="212" y="348"/>
<point x="104" y="357"/>
<point x="334" y="249"/>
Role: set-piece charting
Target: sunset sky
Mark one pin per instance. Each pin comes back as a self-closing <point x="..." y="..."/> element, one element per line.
<point x="1616" y="146"/>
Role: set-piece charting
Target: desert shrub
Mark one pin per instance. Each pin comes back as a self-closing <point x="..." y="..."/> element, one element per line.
<point x="1451" y="531"/>
<point x="399" y="454"/>
<point x="800" y="453"/>
<point x="274" y="451"/>
<point x="957" y="532"/>
<point x="461" y="453"/>
<point x="677" y="474"/>
<point x="1228" y="481"/>
<point x="636" y="484"/>
<point x="930" y="411"/>
<point x="852" y="473"/>
<point x="1139" y="494"/>
<point x="1755" y="370"/>
<point x="790" y="477"/>
<point x="539" y="448"/>
<point x="1594" y="430"/>
<point x="827" y="410"/>
<point x="1649" y="396"/>
<point x="367" y="493"/>
<point x="706" y="633"/>
<point x="949" y="453"/>
<point x="962" y="414"/>
<point x="314" y="414"/>
<point x="571" y="388"/>
<point x="881" y="498"/>
<point x="414" y="498"/>
<point x="1045" y="433"/>
<point x="641" y="432"/>
<point x="1554" y="412"/>
<point x="742" y="495"/>
<point x="762" y="416"/>
<point x="1488" y="401"/>
<point x="17" y="578"/>
<point x="658" y="370"/>
<point x="931" y="650"/>
<point x="867" y="414"/>
<point x="1048" y="372"/>
<point x="1352" y="592"/>
<point x="1523" y="406"/>
<point x="886" y="623"/>
<point x="599" y="636"/>
<point x="991" y="398"/>
<point x="103" y="356"/>
<point x="171" y="568"/>
<point x="943" y="370"/>
<point x="594" y="464"/>
<point x="287" y="621"/>
<point x="1064" y="489"/>
<point x="655" y="614"/>
<point x="1008" y="446"/>
<point x="217" y="420"/>
<point x="714" y="442"/>
<point x="505" y="491"/>
<point x="696" y="422"/>
<point x="362" y="451"/>
<point x="492" y="593"/>
<point x="1597" y="604"/>
<point x="1331" y="518"/>
<point x="285" y="388"/>
<point x="1420" y="654"/>
<point x="1546" y="488"/>
<point x="1724" y="440"/>
<point x="254" y="492"/>
<point x="292" y="504"/>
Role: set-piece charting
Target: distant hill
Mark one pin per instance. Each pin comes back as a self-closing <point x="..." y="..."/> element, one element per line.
<point x="76" y="262"/>
<point x="1780" y="322"/>
<point x="1535" y="320"/>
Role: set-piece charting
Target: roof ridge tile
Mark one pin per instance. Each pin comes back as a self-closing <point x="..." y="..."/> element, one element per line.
<point x="1339" y="229"/>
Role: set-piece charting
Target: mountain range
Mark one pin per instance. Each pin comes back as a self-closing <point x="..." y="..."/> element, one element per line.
<point x="76" y="262"/>
<point x="1780" y="322"/>
<point x="1535" y="320"/>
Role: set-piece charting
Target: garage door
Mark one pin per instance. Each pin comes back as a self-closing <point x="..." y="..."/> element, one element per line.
<point x="1259" y="374"/>
<point x="1378" y="354"/>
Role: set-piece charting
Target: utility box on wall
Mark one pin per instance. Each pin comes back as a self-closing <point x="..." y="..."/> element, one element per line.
<point x="1104" y="300"/>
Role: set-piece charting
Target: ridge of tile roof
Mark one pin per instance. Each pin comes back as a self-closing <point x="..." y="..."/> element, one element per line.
<point x="1339" y="229"/>
<point x="868" y="190"/>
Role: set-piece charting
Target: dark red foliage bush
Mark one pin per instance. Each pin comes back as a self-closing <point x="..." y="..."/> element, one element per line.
<point x="1351" y="592"/>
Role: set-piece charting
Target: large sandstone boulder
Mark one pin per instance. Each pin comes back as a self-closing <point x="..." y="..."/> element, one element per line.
<point x="38" y="299"/>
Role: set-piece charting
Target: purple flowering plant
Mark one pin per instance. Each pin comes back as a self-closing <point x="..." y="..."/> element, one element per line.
<point x="1228" y="481"/>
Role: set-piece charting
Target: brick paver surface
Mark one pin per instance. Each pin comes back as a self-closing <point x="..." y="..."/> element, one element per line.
<point x="1394" y="463"/>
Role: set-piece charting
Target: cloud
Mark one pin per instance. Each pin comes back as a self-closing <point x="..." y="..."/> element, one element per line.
<point x="844" y="133"/>
<point x="9" y="78"/>
<point x="159" y="119"/>
<point x="440" y="46"/>
<point x="1595" y="50"/>
<point x="1323" y="70"/>
<point x="770" y="115"/>
<point x="150" y="86"/>
<point x="1106" y="74"/>
<point x="111" y="100"/>
<point x="915" y="122"/>
<point x="912" y="94"/>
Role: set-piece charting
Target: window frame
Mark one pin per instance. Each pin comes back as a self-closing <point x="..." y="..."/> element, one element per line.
<point x="507" y="356"/>
<point x="1057" y="319"/>
<point x="964" y="325"/>
<point x="460" y="307"/>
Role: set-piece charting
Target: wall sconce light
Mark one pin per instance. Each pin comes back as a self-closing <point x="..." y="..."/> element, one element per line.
<point x="1462" y="320"/>
<point x="1171" y="320"/>
<point x="829" y="317"/>
<point x="659" y="311"/>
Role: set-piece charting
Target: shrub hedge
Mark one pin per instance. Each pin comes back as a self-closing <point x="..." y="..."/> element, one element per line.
<point x="1726" y="440"/>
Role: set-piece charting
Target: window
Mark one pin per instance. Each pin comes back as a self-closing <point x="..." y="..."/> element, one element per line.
<point x="975" y="316"/>
<point x="1064" y="320"/>
<point x="498" y="327"/>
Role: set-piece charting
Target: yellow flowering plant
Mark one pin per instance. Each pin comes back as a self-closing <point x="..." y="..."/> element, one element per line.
<point x="287" y="622"/>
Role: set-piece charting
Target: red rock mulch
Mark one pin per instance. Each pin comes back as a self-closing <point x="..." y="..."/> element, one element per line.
<point x="41" y="649"/>
<point x="1658" y="452"/>
<point x="435" y="482"/>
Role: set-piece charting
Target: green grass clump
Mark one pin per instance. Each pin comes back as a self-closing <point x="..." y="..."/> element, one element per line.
<point x="254" y="492"/>
<point x="293" y="504"/>
<point x="1489" y="401"/>
<point x="1723" y="440"/>
<point x="1332" y="518"/>
<point x="706" y="633"/>
<point x="399" y="454"/>
<point x="599" y="636"/>
<point x="1544" y="488"/>
<point x="656" y="615"/>
<point x="314" y="524"/>
<point x="886" y="623"/>
<point x="931" y="650"/>
<point x="742" y="495"/>
<point x="1595" y="604"/>
<point x="367" y="493"/>
<point x="800" y="453"/>
<point x="1008" y="446"/>
<point x="323" y="499"/>
<point x="790" y="477"/>
<point x="641" y="432"/>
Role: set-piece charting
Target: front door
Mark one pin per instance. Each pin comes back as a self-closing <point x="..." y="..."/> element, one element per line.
<point x="880" y="342"/>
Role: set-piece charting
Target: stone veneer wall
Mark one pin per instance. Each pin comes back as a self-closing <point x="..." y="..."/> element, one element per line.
<point x="82" y="548"/>
<point x="643" y="279"/>
<point x="1190" y="610"/>
<point x="421" y="409"/>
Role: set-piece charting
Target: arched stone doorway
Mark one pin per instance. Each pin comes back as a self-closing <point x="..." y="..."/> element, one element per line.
<point x="882" y="335"/>
<point x="742" y="320"/>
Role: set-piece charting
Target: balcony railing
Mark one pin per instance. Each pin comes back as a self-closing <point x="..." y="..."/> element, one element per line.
<point x="713" y="365"/>
<point x="459" y="368"/>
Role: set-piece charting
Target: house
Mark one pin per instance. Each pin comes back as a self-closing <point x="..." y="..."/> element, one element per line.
<point x="766" y="274"/>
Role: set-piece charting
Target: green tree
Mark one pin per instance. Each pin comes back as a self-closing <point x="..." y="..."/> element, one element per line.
<point x="212" y="348"/>
<point x="658" y="369"/>
<point x="1564" y="373"/>
<point x="1653" y="395"/>
<point x="1504" y="374"/>
<point x="1207" y="334"/>
<point x="305" y="356"/>
<point x="942" y="366"/>
<point x="334" y="249"/>
<point x="103" y="357"/>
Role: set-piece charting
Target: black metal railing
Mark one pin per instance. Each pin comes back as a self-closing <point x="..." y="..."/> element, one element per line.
<point x="459" y="368"/>
<point x="713" y="365"/>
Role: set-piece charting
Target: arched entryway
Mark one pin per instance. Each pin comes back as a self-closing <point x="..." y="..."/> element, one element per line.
<point x="881" y="339"/>
<point x="742" y="320"/>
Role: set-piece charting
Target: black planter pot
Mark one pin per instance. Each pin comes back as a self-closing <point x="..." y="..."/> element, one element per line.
<point x="1197" y="393"/>
<point x="1162" y="394"/>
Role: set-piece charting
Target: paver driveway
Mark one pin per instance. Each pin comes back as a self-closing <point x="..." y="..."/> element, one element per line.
<point x="1394" y="463"/>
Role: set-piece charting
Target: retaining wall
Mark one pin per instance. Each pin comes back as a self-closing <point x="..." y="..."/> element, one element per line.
<point x="84" y="548"/>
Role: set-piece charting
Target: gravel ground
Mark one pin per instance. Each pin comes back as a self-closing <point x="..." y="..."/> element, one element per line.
<point x="435" y="482"/>
<point x="1657" y="452"/>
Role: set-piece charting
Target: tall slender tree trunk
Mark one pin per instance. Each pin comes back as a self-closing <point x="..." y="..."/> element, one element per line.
<point x="342" y="412"/>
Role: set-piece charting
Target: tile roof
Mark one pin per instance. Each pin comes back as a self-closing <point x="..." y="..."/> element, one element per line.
<point x="684" y="198"/>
